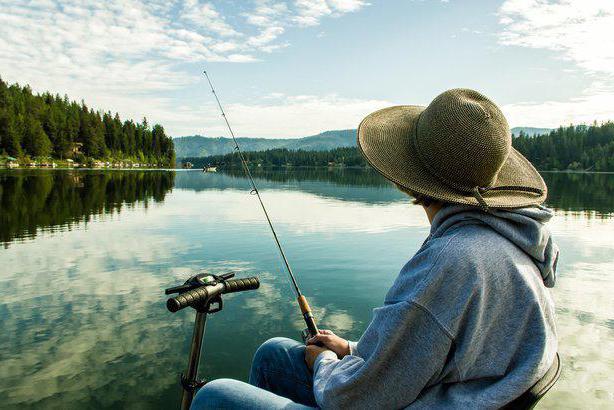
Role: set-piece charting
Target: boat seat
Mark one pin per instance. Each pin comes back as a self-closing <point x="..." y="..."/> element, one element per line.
<point x="529" y="399"/>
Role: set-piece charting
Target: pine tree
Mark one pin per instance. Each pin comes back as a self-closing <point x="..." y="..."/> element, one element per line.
<point x="9" y="137"/>
<point x="44" y="124"/>
<point x="36" y="142"/>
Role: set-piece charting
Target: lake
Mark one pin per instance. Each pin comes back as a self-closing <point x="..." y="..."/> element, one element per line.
<point x="85" y="257"/>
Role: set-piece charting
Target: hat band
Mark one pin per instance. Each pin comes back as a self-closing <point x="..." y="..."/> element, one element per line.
<point x="476" y="191"/>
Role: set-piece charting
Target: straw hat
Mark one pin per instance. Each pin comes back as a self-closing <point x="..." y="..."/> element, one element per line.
<point x="458" y="149"/>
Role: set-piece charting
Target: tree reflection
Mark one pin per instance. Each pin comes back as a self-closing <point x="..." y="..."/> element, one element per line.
<point x="587" y="193"/>
<point x="34" y="201"/>
<point x="31" y="201"/>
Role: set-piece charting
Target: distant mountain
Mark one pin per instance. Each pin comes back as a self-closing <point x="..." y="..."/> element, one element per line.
<point x="530" y="131"/>
<point x="199" y="146"/>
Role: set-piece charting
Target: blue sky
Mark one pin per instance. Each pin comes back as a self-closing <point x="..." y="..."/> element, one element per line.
<point x="298" y="67"/>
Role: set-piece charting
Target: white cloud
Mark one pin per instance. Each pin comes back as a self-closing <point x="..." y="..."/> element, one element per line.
<point x="309" y="212"/>
<point x="124" y="55"/>
<point x="205" y="16"/>
<point x="267" y="13"/>
<point x="275" y="115"/>
<point x="266" y="36"/>
<point x="309" y="12"/>
<point x="274" y="17"/>
<point x="551" y="114"/>
<point x="579" y="32"/>
<point x="289" y="116"/>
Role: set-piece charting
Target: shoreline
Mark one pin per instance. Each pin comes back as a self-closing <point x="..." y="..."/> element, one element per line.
<point x="272" y="168"/>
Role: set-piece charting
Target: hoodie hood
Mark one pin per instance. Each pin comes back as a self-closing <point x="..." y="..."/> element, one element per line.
<point x="524" y="227"/>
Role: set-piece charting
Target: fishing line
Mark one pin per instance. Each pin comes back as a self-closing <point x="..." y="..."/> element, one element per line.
<point x="255" y="191"/>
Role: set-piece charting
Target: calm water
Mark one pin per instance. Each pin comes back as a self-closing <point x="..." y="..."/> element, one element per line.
<point x="86" y="255"/>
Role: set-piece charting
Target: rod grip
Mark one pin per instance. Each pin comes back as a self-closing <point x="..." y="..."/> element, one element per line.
<point x="304" y="305"/>
<point x="310" y="320"/>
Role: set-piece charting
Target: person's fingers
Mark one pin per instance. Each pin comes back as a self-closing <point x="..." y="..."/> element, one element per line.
<point x="315" y="339"/>
<point x="326" y="332"/>
<point x="318" y="338"/>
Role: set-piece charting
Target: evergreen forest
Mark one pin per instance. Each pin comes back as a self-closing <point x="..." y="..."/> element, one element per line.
<point x="572" y="148"/>
<point x="45" y="126"/>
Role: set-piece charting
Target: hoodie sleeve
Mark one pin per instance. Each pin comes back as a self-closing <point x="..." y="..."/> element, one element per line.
<point x="402" y="350"/>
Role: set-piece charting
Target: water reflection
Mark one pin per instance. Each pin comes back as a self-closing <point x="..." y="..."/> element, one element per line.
<point x="360" y="185"/>
<point x="82" y="310"/>
<point x="589" y="194"/>
<point x="36" y="200"/>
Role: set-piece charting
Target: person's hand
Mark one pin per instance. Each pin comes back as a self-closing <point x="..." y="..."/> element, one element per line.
<point x="332" y="342"/>
<point x="311" y="353"/>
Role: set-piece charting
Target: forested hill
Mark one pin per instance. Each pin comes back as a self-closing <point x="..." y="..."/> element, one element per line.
<point x="278" y="157"/>
<point x="529" y="131"/>
<point x="582" y="147"/>
<point x="40" y="126"/>
<point x="199" y="146"/>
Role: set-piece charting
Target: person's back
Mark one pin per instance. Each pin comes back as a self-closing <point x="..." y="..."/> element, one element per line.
<point x="468" y="322"/>
<point x="477" y="277"/>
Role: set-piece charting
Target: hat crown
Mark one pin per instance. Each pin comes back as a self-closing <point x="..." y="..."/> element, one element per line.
<point x="463" y="139"/>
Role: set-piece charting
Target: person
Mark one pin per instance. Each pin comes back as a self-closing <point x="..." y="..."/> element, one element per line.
<point x="468" y="322"/>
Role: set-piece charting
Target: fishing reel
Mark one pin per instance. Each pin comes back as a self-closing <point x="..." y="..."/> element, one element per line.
<point x="305" y="335"/>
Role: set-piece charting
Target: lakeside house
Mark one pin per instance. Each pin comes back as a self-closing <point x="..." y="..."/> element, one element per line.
<point x="48" y="165"/>
<point x="9" y="162"/>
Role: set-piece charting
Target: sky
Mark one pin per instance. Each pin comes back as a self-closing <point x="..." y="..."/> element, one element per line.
<point x="299" y="67"/>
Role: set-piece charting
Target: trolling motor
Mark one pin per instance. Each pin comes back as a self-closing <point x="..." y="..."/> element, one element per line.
<point x="203" y="292"/>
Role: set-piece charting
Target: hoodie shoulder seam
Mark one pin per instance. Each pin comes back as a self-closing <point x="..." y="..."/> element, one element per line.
<point x="443" y="328"/>
<point x="429" y="313"/>
<point x="436" y="260"/>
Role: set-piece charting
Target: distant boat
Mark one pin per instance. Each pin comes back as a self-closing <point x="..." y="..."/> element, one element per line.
<point x="210" y="169"/>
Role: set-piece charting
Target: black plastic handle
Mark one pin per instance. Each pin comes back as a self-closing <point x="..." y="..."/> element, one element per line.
<point x="205" y="294"/>
<point x="239" y="285"/>
<point x="190" y="298"/>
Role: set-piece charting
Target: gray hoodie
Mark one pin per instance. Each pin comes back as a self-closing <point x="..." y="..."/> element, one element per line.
<point x="468" y="323"/>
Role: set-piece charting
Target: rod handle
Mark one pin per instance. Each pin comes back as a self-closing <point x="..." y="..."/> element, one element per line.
<point x="310" y="320"/>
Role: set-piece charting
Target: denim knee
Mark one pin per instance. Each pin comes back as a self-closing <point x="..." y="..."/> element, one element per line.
<point x="215" y="394"/>
<point x="271" y="348"/>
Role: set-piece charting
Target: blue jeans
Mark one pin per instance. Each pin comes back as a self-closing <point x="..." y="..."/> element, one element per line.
<point x="279" y="379"/>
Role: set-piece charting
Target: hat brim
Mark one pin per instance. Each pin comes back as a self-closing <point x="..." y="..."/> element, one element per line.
<point x="385" y="139"/>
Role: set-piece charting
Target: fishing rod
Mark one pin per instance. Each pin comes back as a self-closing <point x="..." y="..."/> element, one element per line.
<point x="312" y="328"/>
